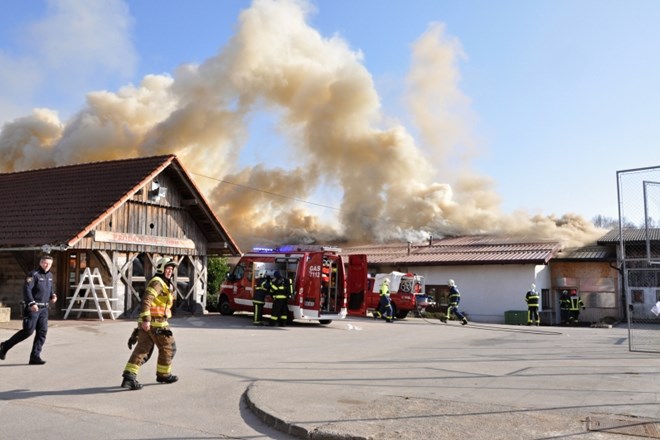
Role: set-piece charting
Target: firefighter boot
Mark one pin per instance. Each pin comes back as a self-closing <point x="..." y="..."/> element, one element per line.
<point x="167" y="379"/>
<point x="3" y="352"/>
<point x="464" y="322"/>
<point x="130" y="381"/>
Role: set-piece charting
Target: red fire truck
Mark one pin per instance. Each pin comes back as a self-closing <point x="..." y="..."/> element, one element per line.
<point x="318" y="275"/>
<point x="403" y="290"/>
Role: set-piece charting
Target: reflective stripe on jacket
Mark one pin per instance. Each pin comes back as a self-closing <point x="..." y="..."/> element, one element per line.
<point x="156" y="303"/>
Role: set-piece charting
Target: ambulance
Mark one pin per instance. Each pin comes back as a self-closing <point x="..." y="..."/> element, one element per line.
<point x="404" y="289"/>
<point x="318" y="275"/>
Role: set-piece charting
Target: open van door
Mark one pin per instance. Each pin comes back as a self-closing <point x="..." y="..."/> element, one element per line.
<point x="356" y="284"/>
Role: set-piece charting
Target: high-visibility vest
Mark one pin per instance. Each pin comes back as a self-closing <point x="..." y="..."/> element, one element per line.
<point x="532" y="299"/>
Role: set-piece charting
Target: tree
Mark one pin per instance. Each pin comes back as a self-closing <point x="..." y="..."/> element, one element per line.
<point x="218" y="268"/>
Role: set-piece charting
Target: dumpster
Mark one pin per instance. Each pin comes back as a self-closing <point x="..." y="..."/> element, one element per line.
<point x="515" y="317"/>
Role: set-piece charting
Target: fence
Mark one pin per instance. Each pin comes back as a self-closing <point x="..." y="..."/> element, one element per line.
<point x="639" y="253"/>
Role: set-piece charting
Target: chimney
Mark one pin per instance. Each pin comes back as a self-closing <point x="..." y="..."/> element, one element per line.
<point x="409" y="245"/>
<point x="430" y="240"/>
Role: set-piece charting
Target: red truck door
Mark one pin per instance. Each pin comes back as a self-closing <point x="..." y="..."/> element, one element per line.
<point x="356" y="284"/>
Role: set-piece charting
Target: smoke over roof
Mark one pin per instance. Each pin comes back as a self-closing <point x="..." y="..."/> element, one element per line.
<point x="386" y="183"/>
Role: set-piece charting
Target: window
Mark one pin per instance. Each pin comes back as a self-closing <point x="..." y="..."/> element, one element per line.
<point x="637" y="296"/>
<point x="546" y="300"/>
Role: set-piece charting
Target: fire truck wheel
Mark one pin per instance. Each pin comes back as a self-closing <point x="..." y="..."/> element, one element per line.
<point x="325" y="321"/>
<point x="224" y="308"/>
<point x="401" y="314"/>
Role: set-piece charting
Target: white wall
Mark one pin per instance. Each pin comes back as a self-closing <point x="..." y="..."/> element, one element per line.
<point x="490" y="290"/>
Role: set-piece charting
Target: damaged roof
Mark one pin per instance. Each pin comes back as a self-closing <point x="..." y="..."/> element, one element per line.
<point x="58" y="206"/>
<point x="461" y="251"/>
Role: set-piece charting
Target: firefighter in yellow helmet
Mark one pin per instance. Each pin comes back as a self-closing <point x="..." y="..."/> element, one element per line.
<point x="155" y="309"/>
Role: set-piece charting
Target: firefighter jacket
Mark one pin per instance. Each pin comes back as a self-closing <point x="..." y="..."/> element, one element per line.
<point x="565" y="302"/>
<point x="532" y="299"/>
<point x="156" y="306"/>
<point x="261" y="291"/>
<point x="279" y="288"/>
<point x="575" y="303"/>
<point x="384" y="290"/>
<point x="454" y="296"/>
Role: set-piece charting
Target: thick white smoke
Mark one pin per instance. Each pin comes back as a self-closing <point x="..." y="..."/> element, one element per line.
<point x="329" y="111"/>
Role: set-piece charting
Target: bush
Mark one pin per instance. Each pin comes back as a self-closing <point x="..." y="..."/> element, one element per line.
<point x="218" y="268"/>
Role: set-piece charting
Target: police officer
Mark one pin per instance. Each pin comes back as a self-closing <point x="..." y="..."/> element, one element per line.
<point x="261" y="290"/>
<point x="385" y="302"/>
<point x="454" y="300"/>
<point x="279" y="290"/>
<point x="532" y="298"/>
<point x="155" y="309"/>
<point x="37" y="294"/>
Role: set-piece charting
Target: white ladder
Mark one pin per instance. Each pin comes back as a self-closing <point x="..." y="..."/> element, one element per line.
<point x="91" y="282"/>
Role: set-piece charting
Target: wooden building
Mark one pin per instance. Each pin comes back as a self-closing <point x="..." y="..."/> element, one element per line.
<point x="106" y="224"/>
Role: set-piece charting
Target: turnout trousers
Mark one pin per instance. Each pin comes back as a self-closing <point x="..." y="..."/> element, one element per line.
<point x="162" y="338"/>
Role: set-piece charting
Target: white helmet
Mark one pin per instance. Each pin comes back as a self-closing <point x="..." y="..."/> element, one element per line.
<point x="451" y="283"/>
<point x="533" y="286"/>
<point x="386" y="281"/>
<point x="162" y="263"/>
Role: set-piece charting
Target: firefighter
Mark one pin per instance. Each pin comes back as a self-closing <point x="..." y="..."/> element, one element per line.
<point x="454" y="300"/>
<point x="262" y="289"/>
<point x="154" y="329"/>
<point x="575" y="304"/>
<point x="565" y="307"/>
<point x="279" y="290"/>
<point x="532" y="298"/>
<point x="385" y="303"/>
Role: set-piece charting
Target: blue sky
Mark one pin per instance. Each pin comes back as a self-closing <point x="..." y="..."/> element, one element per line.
<point x="561" y="94"/>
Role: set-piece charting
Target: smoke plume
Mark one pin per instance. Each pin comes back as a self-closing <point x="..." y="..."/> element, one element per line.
<point x="383" y="182"/>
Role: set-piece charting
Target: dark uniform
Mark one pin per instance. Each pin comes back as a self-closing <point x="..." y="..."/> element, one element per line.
<point x="565" y="307"/>
<point x="155" y="309"/>
<point x="261" y="290"/>
<point x="280" y="289"/>
<point x="575" y="304"/>
<point x="454" y="301"/>
<point x="532" y="298"/>
<point x="37" y="293"/>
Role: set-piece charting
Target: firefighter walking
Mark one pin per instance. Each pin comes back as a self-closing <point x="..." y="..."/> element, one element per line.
<point x="261" y="290"/>
<point x="155" y="309"/>
<point x="279" y="290"/>
<point x="385" y="303"/>
<point x="532" y="298"/>
<point x="454" y="301"/>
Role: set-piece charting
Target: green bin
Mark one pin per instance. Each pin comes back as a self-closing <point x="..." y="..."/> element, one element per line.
<point x="515" y="317"/>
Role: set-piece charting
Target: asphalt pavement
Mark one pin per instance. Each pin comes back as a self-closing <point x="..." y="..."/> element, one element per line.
<point x="352" y="379"/>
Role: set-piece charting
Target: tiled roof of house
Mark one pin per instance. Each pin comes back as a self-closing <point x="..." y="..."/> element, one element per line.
<point x="461" y="250"/>
<point x="630" y="235"/>
<point x="58" y="206"/>
<point x="592" y="253"/>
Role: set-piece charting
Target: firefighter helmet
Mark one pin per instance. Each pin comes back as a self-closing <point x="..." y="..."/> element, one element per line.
<point x="451" y="283"/>
<point x="533" y="286"/>
<point x="162" y="263"/>
<point x="386" y="281"/>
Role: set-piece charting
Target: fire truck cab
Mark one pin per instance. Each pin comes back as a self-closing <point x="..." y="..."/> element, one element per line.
<point x="317" y="274"/>
<point x="404" y="287"/>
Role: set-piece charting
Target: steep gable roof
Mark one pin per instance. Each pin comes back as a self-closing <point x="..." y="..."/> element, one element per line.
<point x="461" y="250"/>
<point x="58" y="206"/>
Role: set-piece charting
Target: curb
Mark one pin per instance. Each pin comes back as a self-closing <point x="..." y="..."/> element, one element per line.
<point x="291" y="428"/>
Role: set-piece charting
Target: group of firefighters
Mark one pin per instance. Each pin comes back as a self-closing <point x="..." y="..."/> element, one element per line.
<point x="569" y="305"/>
<point x="280" y="289"/>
